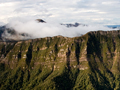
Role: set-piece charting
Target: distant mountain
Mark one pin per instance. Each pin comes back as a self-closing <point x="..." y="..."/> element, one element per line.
<point x="113" y="26"/>
<point x="9" y="34"/>
<point x="2" y="29"/>
<point x="74" y="25"/>
<point x="40" y="21"/>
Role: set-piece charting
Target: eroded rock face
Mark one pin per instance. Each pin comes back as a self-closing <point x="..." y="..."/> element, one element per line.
<point x="87" y="62"/>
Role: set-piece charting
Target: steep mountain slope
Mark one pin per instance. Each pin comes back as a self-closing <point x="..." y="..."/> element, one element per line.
<point x="89" y="62"/>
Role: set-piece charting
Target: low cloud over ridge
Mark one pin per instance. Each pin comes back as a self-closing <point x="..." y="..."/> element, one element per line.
<point x="50" y="29"/>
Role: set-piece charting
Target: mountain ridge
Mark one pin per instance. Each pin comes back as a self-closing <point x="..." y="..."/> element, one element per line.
<point x="88" y="62"/>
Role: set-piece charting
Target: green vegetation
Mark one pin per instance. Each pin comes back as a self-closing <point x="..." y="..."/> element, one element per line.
<point x="89" y="62"/>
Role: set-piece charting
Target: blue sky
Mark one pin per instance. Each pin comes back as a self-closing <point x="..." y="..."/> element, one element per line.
<point x="63" y="11"/>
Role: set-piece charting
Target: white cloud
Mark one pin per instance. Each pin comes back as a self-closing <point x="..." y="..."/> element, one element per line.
<point x="110" y="2"/>
<point x="85" y="11"/>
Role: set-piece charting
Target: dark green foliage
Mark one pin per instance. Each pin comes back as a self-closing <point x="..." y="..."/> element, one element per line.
<point x="29" y="55"/>
<point x="2" y="67"/>
<point x="63" y="81"/>
<point x="77" y="51"/>
<point x="56" y="49"/>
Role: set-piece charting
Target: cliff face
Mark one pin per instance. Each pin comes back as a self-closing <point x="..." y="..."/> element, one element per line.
<point x="88" y="62"/>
